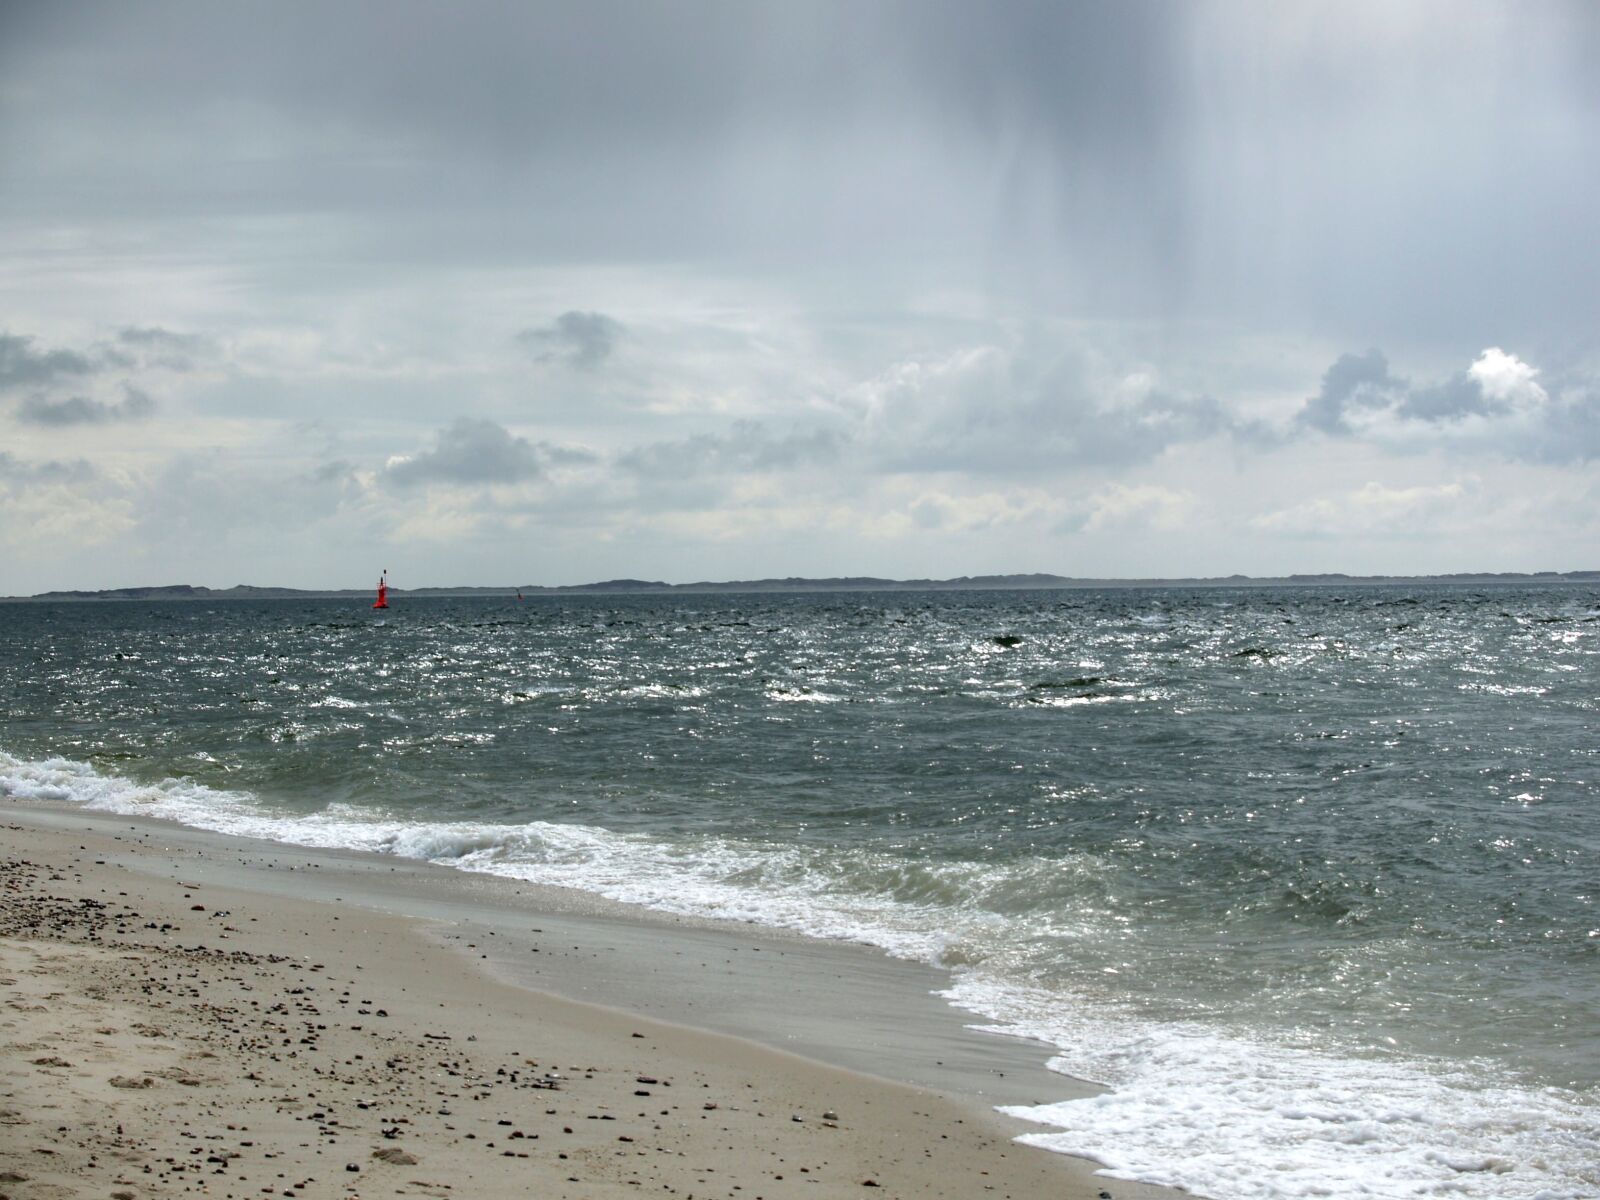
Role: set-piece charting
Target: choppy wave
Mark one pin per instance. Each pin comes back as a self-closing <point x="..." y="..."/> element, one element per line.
<point x="1199" y="1106"/>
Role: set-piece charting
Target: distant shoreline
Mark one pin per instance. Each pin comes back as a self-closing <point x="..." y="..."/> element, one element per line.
<point x="622" y="587"/>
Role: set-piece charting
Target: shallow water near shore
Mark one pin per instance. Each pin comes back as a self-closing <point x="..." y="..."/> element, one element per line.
<point x="1305" y="875"/>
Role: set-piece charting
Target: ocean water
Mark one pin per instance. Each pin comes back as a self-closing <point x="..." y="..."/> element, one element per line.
<point x="1308" y="877"/>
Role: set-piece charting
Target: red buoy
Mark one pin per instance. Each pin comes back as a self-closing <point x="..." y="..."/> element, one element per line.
<point x="383" y="590"/>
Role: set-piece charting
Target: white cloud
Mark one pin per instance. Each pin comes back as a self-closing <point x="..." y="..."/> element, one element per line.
<point x="773" y="442"/>
<point x="1507" y="379"/>
<point x="1040" y="401"/>
<point x="1121" y="507"/>
<point x="972" y="512"/>
<point x="1374" y="509"/>
<point x="50" y="509"/>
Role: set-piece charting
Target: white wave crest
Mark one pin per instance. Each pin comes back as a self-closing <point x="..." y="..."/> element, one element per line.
<point x="1225" y="1115"/>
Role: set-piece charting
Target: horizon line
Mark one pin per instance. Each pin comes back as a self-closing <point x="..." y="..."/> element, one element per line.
<point x="1041" y="581"/>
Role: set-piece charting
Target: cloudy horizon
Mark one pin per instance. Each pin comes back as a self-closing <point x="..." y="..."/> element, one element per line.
<point x="550" y="293"/>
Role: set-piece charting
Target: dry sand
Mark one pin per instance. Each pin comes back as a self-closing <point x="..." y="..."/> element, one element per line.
<point x="164" y="1034"/>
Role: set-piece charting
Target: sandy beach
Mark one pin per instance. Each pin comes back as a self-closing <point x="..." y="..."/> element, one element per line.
<point x="189" y="1013"/>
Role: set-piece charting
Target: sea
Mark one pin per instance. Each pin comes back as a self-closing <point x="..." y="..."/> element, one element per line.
<point x="1308" y="878"/>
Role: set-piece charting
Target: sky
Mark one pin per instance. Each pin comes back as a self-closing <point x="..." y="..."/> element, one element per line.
<point x="539" y="293"/>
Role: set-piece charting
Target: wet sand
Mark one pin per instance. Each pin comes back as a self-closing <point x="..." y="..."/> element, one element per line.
<point x="191" y="1014"/>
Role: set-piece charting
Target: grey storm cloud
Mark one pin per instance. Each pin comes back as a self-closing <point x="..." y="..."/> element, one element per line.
<point x="1362" y="383"/>
<point x="164" y="347"/>
<point x="582" y="339"/>
<point x="1022" y="249"/>
<point x="22" y="366"/>
<point x="205" y="496"/>
<point x="1354" y="382"/>
<point x="1573" y="430"/>
<point x="339" y="471"/>
<point x="156" y="336"/>
<point x="1052" y="430"/>
<point x="17" y="470"/>
<point x="1069" y="436"/>
<point x="746" y="447"/>
<point x="1037" y="409"/>
<point x="80" y="410"/>
<point x="476" y="451"/>
<point x="1140" y="431"/>
<point x="1150" y="159"/>
<point x="1555" y="424"/>
<point x="1459" y="396"/>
